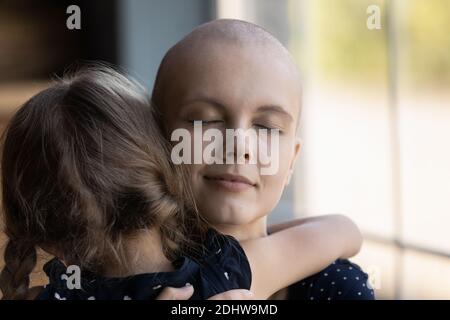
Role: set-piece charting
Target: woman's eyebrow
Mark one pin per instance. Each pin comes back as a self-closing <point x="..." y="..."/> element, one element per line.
<point x="275" y="109"/>
<point x="208" y="100"/>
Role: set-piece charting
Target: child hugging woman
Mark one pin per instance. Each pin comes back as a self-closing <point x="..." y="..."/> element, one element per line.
<point x="87" y="177"/>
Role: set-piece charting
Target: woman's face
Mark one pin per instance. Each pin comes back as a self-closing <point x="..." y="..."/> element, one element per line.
<point x="233" y="87"/>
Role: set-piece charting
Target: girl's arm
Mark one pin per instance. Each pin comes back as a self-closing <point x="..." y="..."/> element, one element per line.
<point x="295" y="253"/>
<point x="292" y="223"/>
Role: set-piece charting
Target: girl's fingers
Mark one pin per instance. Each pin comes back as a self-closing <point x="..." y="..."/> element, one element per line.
<point x="170" y="293"/>
<point x="237" y="294"/>
<point x="184" y="293"/>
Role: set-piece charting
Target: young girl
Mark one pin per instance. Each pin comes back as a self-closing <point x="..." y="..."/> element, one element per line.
<point x="86" y="176"/>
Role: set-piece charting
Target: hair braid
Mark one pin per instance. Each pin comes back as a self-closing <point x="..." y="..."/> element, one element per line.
<point x="20" y="260"/>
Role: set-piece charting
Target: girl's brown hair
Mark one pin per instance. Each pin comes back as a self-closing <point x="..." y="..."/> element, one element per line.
<point x="84" y="165"/>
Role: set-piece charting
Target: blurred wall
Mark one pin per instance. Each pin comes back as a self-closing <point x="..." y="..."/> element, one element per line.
<point x="147" y="29"/>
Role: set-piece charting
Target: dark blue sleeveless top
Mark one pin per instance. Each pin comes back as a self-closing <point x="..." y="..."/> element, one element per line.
<point x="223" y="267"/>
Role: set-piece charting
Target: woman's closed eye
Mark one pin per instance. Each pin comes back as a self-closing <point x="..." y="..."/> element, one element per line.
<point x="262" y="126"/>
<point x="267" y="127"/>
<point x="205" y="122"/>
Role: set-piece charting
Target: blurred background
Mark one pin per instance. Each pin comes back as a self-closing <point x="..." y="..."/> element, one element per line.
<point x="376" y="119"/>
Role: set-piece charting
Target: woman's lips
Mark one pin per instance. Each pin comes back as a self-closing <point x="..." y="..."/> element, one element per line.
<point x="230" y="182"/>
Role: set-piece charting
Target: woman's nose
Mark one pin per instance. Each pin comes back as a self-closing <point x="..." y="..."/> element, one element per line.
<point x="243" y="140"/>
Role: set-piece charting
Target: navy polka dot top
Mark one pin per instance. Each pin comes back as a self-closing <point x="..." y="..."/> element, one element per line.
<point x="223" y="267"/>
<point x="342" y="280"/>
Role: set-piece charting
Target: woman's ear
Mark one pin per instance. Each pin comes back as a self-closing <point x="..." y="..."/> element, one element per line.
<point x="297" y="149"/>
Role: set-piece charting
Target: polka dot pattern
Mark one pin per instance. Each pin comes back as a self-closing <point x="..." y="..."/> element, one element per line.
<point x="341" y="280"/>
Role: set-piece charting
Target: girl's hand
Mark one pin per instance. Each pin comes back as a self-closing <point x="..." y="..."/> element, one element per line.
<point x="236" y="294"/>
<point x="186" y="292"/>
<point x="170" y="293"/>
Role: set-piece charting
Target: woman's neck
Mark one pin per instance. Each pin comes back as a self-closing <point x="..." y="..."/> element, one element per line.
<point x="251" y="230"/>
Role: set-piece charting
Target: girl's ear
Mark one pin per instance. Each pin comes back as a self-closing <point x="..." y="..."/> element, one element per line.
<point x="297" y="149"/>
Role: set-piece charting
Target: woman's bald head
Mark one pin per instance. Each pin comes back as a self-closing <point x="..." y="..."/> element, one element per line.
<point x="200" y="43"/>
